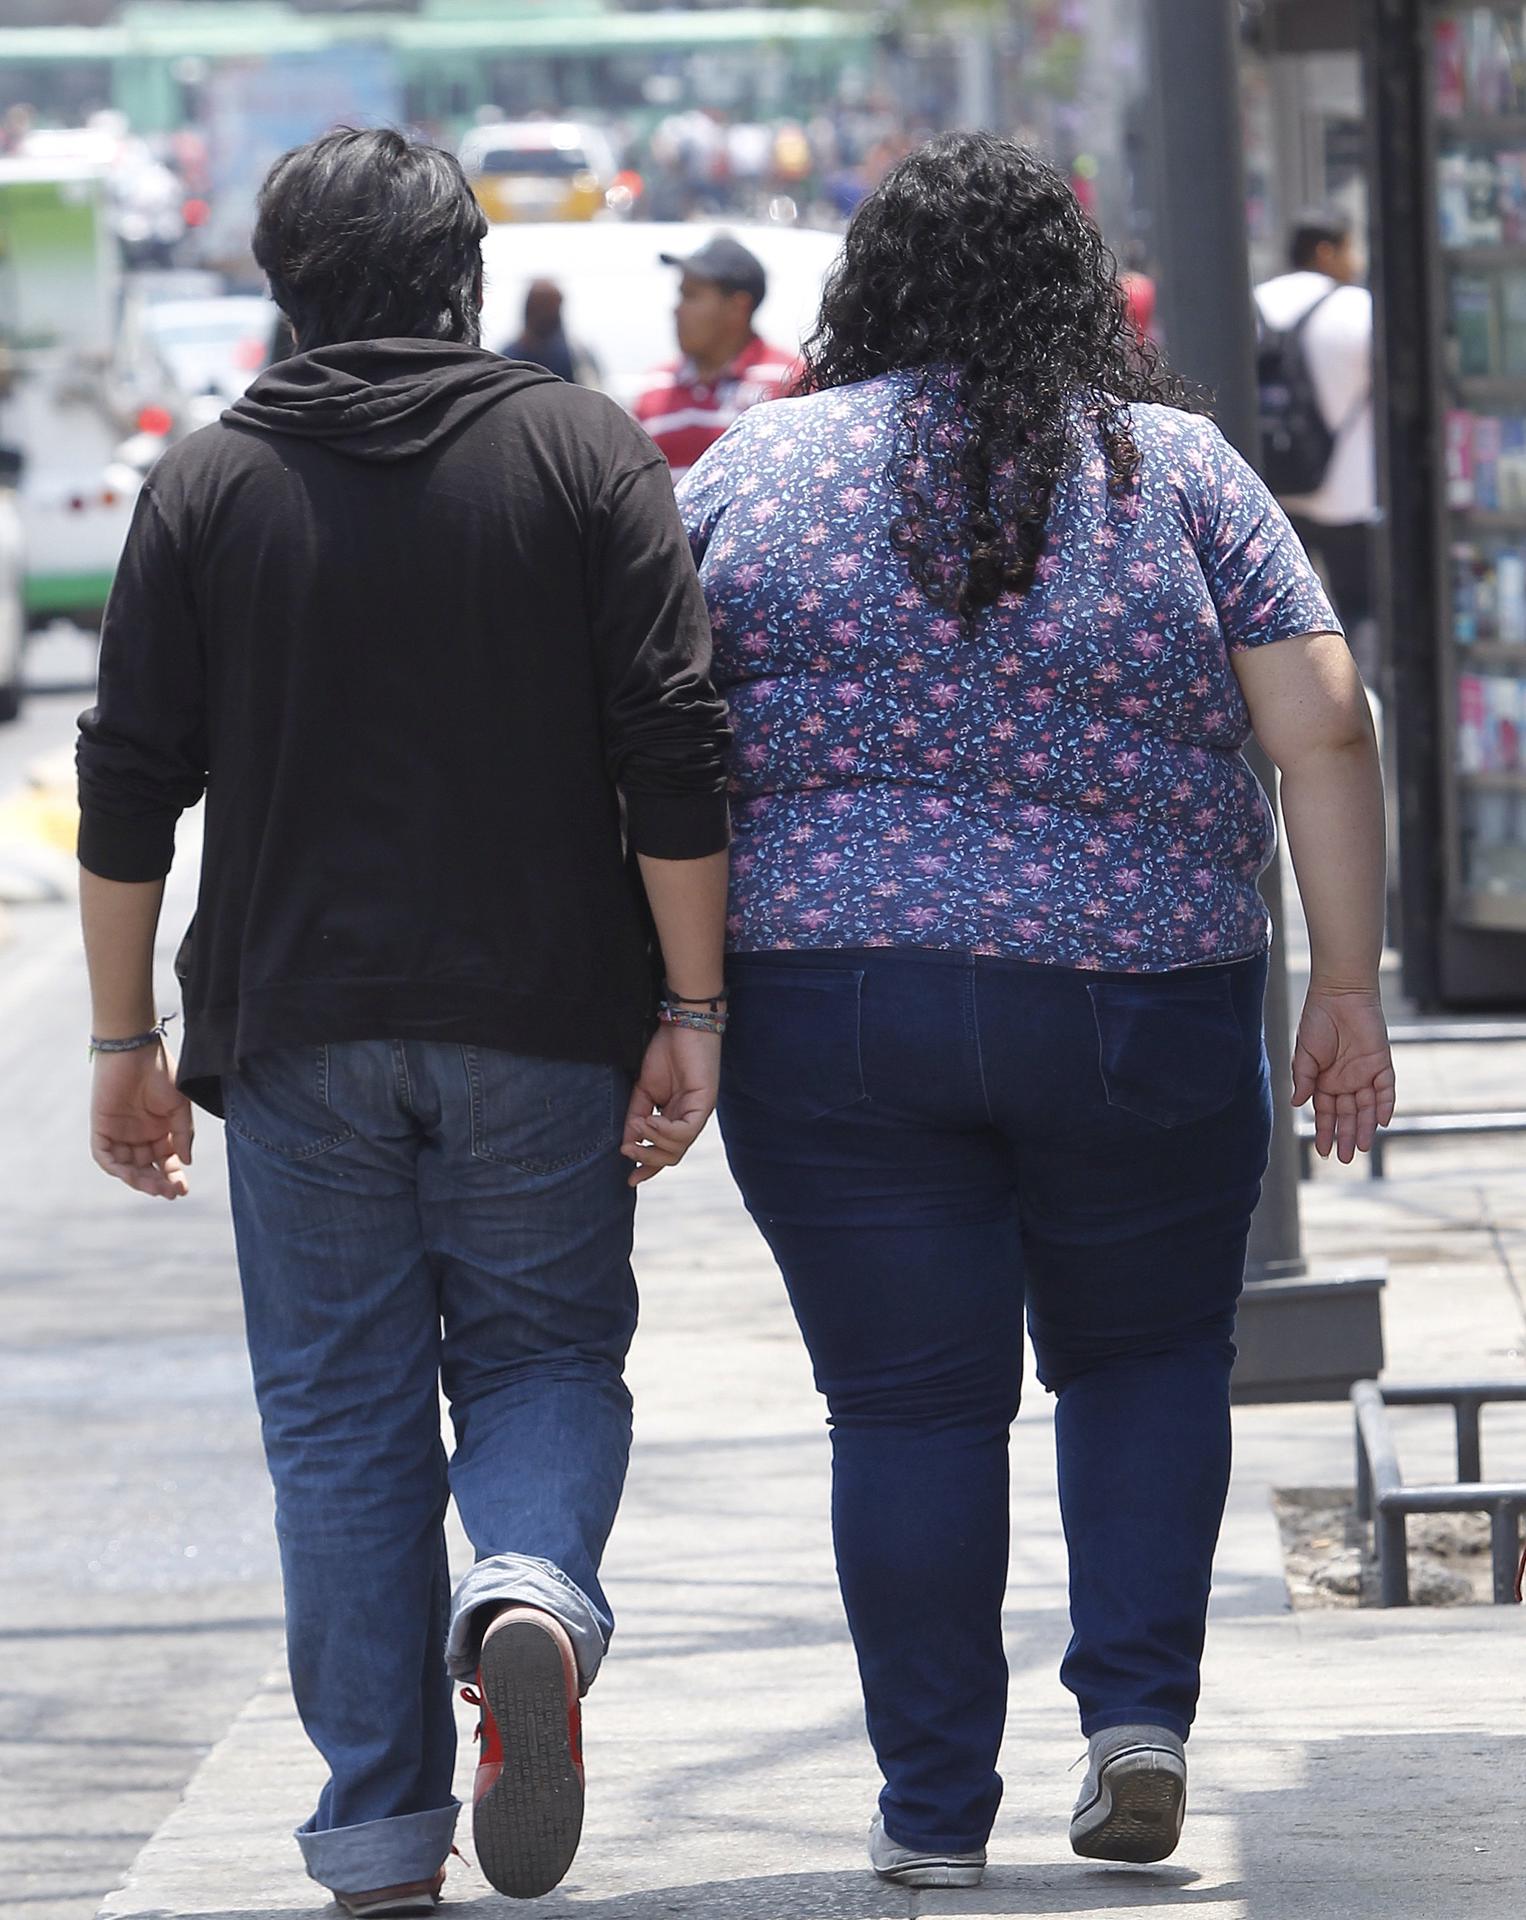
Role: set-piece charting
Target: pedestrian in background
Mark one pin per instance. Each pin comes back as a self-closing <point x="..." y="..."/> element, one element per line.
<point x="1320" y="312"/>
<point x="543" y="341"/>
<point x="726" y="367"/>
<point x="422" y="625"/>
<point x="996" y="615"/>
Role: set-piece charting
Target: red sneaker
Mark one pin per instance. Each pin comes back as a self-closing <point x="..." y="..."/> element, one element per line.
<point x="527" y="1814"/>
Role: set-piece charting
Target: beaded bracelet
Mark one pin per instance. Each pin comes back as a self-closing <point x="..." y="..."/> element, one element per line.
<point x="691" y="1019"/>
<point x="136" y="1044"/>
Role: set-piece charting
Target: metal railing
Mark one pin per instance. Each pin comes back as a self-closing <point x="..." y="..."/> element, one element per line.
<point x="1384" y="1499"/>
<point x="1413" y="1126"/>
<point x="1419" y="1126"/>
<point x="1457" y="1033"/>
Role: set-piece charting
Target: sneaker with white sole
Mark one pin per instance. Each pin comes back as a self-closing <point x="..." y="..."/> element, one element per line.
<point x="1134" y="1798"/>
<point x="906" y="1868"/>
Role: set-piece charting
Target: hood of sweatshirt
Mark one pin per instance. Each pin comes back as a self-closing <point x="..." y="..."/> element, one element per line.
<point x="381" y="399"/>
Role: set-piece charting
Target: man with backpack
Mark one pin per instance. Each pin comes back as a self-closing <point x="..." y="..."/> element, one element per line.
<point x="1314" y="374"/>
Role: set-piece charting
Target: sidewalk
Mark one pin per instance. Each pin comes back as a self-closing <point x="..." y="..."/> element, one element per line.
<point x="1345" y="1764"/>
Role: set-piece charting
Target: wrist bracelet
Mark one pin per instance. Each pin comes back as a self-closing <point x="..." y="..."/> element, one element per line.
<point x="136" y="1044"/>
<point x="692" y="1019"/>
<point x="713" y="1001"/>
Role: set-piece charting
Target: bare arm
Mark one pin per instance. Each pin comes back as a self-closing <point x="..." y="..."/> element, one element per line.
<point x="688" y="901"/>
<point x="1311" y="715"/>
<point x="140" y="1123"/>
<point x="679" y="1082"/>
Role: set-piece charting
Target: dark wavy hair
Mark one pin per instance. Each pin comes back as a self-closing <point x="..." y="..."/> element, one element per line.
<point x="974" y="263"/>
<point x="368" y="235"/>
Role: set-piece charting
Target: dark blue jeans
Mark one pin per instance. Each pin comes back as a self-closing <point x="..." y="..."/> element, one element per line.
<point x="930" y="1141"/>
<point x="412" y="1215"/>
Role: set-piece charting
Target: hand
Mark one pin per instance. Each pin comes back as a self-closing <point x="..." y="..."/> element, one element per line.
<point x="674" y="1095"/>
<point x="140" y="1122"/>
<point x="1342" y="1062"/>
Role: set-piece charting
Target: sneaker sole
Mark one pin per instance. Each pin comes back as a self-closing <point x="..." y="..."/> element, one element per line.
<point x="932" y="1873"/>
<point x="526" y="1827"/>
<point x="1138" y="1813"/>
<point x="410" y="1908"/>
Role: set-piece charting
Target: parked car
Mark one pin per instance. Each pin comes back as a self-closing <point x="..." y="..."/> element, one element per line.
<point x="619" y="297"/>
<point x="540" y="170"/>
<point x="209" y="350"/>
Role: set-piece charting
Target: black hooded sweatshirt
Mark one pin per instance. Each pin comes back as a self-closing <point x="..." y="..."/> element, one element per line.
<point x="417" y="620"/>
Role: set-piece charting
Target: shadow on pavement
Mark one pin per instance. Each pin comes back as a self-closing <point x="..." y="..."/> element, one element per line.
<point x="850" y="1896"/>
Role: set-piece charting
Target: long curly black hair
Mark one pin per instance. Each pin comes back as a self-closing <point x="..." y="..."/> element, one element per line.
<point x="974" y="263"/>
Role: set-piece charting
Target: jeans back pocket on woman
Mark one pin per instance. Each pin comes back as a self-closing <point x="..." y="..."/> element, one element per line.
<point x="280" y="1101"/>
<point x="793" y="1043"/>
<point x="1171" y="1047"/>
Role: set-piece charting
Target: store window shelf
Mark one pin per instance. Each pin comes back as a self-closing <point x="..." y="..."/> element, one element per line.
<point x="1493" y="912"/>
<point x="1491" y="519"/>
<point x="1475" y="259"/>
<point x="1481" y="129"/>
<point x="1494" y="782"/>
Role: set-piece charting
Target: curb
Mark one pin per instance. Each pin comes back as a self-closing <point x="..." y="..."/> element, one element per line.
<point x="233" y="1824"/>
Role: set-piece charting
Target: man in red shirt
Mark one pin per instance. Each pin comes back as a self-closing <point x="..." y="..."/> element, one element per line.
<point x="725" y="367"/>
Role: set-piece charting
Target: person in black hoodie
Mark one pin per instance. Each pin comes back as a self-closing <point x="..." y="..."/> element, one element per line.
<point x="422" y="626"/>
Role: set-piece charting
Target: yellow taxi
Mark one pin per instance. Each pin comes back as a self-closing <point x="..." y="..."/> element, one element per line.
<point x="540" y="170"/>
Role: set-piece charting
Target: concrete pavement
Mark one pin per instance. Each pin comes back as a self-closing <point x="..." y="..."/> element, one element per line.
<point x="1345" y="1763"/>
<point x="139" y="1594"/>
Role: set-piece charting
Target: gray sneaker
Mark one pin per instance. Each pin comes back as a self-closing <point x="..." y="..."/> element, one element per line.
<point x="907" y="1869"/>
<point x="1135" y="1796"/>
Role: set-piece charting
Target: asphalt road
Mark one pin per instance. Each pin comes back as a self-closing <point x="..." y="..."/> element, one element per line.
<point x="139" y="1600"/>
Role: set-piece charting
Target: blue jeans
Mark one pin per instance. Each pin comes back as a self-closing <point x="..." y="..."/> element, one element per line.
<point x="411" y="1215"/>
<point x="928" y="1142"/>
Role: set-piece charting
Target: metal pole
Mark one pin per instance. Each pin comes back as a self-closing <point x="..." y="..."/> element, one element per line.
<point x="1470" y="1454"/>
<point x="1205" y="297"/>
<point x="1505" y="1548"/>
<point x="1393" y="1559"/>
<point x="1363" y="1478"/>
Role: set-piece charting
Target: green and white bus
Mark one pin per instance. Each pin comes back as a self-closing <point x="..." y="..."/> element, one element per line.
<point x="60" y="294"/>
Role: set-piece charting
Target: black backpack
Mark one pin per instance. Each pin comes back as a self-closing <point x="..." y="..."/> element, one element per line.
<point x="1296" y="440"/>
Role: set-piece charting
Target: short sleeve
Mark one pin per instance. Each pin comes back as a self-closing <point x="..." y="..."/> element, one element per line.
<point x="709" y="486"/>
<point x="1263" y="584"/>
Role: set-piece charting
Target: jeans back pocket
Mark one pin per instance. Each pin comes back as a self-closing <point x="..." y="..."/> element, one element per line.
<point x="1171" y="1047"/>
<point x="280" y="1101"/>
<point x="541" y="1116"/>
<point x="793" y="1044"/>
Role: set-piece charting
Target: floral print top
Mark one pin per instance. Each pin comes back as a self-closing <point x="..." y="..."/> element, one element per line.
<point x="1059" y="780"/>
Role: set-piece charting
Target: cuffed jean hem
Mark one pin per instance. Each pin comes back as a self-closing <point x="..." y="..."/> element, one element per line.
<point x="897" y="1830"/>
<point x="516" y="1579"/>
<point x="1135" y="1717"/>
<point x="380" y="1853"/>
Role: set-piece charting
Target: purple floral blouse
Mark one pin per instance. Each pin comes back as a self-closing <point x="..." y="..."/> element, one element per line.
<point x="1060" y="782"/>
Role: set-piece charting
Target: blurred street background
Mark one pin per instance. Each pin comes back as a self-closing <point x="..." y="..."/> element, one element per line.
<point x="1243" y="159"/>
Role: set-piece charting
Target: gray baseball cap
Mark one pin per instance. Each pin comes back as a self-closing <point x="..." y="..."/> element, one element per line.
<point x="725" y="261"/>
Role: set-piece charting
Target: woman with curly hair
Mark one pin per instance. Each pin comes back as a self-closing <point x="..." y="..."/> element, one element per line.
<point x="995" y="612"/>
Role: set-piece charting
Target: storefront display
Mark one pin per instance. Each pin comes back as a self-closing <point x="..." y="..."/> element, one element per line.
<point x="1476" y="153"/>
